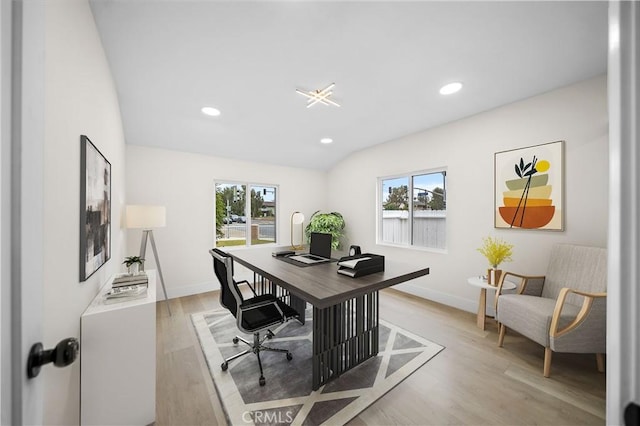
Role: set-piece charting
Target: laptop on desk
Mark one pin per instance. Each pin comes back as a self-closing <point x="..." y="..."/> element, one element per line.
<point x="319" y="250"/>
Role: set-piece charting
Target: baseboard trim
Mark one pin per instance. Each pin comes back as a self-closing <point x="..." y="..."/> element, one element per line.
<point x="188" y="290"/>
<point x="439" y="297"/>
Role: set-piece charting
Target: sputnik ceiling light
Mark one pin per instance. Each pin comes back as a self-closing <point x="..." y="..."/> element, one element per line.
<point x="319" y="96"/>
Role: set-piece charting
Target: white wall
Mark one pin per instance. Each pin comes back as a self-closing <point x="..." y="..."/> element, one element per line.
<point x="80" y="98"/>
<point x="184" y="183"/>
<point x="576" y="114"/>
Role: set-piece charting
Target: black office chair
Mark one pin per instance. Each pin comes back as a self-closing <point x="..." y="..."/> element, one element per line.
<point x="253" y="315"/>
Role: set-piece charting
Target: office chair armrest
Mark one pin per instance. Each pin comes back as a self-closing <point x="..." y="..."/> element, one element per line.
<point x="263" y="300"/>
<point x="248" y="284"/>
<point x="587" y="304"/>
<point x="258" y="301"/>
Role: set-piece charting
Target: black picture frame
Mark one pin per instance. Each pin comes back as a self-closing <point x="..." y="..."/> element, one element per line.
<point x="95" y="209"/>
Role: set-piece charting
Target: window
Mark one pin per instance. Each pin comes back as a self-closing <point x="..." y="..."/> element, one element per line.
<point x="413" y="210"/>
<point x="242" y="220"/>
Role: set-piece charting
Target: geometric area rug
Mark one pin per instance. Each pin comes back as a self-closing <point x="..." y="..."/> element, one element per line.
<point x="287" y="397"/>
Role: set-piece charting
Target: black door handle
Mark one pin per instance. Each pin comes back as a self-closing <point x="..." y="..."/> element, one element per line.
<point x="632" y="415"/>
<point x="62" y="355"/>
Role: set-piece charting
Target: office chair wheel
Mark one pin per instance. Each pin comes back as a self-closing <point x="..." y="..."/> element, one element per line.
<point x="235" y="340"/>
<point x="289" y="356"/>
<point x="262" y="381"/>
<point x="224" y="366"/>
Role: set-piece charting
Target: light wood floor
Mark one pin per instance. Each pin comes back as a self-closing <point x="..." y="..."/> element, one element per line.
<point x="471" y="382"/>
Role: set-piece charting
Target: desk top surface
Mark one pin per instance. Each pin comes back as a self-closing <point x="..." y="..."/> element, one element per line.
<point x="320" y="284"/>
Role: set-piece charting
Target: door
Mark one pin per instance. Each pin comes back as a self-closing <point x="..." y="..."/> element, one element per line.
<point x="623" y="309"/>
<point x="21" y="156"/>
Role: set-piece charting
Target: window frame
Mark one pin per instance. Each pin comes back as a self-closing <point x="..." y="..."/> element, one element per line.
<point x="247" y="209"/>
<point x="379" y="210"/>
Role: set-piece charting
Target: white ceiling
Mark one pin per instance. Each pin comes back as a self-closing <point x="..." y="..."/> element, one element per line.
<point x="169" y="58"/>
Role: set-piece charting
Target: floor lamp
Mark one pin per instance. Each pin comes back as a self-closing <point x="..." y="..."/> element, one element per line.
<point x="147" y="218"/>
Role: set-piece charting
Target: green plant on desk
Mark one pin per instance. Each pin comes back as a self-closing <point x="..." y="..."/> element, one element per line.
<point x="327" y="223"/>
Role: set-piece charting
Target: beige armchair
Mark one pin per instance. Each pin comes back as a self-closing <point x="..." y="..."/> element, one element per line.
<point x="565" y="310"/>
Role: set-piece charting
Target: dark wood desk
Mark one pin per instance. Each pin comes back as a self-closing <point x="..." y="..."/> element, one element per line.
<point x="345" y="310"/>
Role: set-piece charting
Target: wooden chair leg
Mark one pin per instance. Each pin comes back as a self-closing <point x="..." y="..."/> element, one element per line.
<point x="503" y="331"/>
<point x="600" y="362"/>
<point x="547" y="362"/>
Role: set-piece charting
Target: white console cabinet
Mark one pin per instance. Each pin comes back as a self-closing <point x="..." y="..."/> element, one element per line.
<point x="118" y="360"/>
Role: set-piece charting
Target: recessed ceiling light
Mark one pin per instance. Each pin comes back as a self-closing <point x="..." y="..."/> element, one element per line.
<point x="326" y="140"/>
<point x="450" y="88"/>
<point x="213" y="112"/>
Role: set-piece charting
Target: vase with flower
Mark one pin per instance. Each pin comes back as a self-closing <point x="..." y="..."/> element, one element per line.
<point x="496" y="251"/>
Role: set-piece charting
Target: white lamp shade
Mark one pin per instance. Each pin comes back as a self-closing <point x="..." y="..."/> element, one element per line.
<point x="146" y="217"/>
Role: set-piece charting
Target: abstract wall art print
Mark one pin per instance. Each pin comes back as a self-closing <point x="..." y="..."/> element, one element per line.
<point x="529" y="187"/>
<point x="95" y="209"/>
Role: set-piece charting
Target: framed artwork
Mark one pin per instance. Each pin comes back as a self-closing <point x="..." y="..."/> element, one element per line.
<point x="529" y="187"/>
<point x="95" y="209"/>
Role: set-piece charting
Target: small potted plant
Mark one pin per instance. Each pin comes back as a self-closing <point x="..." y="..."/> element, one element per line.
<point x="328" y="223"/>
<point x="496" y="251"/>
<point x="133" y="264"/>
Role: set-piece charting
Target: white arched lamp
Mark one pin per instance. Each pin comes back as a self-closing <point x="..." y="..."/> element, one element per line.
<point x="297" y="218"/>
<point x="147" y="218"/>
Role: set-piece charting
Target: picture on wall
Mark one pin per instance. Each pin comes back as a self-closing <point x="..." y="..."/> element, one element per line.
<point x="529" y="185"/>
<point x="95" y="209"/>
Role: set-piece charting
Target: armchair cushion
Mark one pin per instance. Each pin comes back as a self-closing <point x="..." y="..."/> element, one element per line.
<point x="531" y="315"/>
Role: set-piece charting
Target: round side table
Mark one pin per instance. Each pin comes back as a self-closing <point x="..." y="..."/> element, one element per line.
<point x="482" y="303"/>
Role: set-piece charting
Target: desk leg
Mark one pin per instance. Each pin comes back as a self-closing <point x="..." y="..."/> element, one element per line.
<point x="299" y="306"/>
<point x="344" y="336"/>
<point x="482" y="308"/>
<point x="264" y="286"/>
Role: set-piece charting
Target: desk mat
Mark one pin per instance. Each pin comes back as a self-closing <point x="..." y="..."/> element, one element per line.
<point x="287" y="397"/>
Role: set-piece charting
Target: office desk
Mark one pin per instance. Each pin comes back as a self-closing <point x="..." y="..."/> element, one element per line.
<point x="345" y="310"/>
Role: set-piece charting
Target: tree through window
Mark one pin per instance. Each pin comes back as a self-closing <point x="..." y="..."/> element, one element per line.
<point x="242" y="220"/>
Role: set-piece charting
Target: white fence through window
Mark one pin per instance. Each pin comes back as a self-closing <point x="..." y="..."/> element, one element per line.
<point x="238" y="231"/>
<point x="429" y="228"/>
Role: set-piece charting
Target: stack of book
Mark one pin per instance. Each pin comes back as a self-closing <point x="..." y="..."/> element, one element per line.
<point x="127" y="287"/>
<point x="127" y="292"/>
<point x="130" y="279"/>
